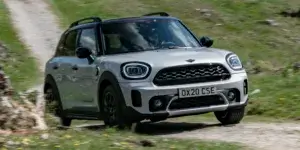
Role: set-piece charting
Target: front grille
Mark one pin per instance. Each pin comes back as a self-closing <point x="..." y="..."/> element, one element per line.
<point x="196" y="102"/>
<point x="191" y="74"/>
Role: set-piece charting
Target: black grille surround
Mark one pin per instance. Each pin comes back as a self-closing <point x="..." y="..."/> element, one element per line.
<point x="196" y="102"/>
<point x="188" y="74"/>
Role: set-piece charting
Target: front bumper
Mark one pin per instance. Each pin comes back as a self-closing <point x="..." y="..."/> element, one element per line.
<point x="148" y="91"/>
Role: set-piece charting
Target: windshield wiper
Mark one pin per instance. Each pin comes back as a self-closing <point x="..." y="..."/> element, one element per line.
<point x="151" y="49"/>
<point x="160" y="48"/>
<point x="177" y="47"/>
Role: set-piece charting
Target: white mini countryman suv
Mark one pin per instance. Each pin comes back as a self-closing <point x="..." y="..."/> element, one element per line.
<point x="150" y="67"/>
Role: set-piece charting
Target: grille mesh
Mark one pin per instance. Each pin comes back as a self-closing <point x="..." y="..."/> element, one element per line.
<point x="196" y="102"/>
<point x="191" y="74"/>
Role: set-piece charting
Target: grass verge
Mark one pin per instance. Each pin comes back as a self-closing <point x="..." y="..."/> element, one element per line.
<point x="20" y="66"/>
<point x="85" y="139"/>
<point x="234" y="25"/>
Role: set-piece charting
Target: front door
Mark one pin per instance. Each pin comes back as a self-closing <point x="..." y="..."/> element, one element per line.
<point x="85" y="74"/>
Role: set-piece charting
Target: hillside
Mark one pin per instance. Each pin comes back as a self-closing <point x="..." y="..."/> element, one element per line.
<point x="268" y="48"/>
<point x="19" y="128"/>
<point x="267" y="42"/>
<point x="14" y="57"/>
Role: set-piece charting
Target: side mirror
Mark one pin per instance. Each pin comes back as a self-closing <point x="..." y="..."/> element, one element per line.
<point x="206" y="41"/>
<point x="83" y="52"/>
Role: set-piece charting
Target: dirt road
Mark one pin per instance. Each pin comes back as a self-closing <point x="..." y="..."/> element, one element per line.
<point x="272" y="136"/>
<point x="38" y="28"/>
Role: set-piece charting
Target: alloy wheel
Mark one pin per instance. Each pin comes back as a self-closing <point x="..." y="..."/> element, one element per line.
<point x="110" y="108"/>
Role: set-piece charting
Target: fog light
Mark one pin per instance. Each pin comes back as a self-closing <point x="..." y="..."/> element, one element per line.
<point x="157" y="103"/>
<point x="231" y="95"/>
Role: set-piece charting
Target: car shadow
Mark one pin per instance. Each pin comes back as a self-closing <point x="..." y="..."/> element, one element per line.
<point x="94" y="127"/>
<point x="159" y="128"/>
<point x="164" y="128"/>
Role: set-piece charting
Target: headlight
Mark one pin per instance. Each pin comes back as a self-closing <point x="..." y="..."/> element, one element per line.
<point x="135" y="70"/>
<point x="234" y="62"/>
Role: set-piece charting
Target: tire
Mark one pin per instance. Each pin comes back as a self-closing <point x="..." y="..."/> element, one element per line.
<point x="231" y="116"/>
<point x="53" y="101"/>
<point x="65" y="121"/>
<point x="113" y="109"/>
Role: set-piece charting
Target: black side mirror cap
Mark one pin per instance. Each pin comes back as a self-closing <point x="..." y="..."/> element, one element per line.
<point x="206" y="41"/>
<point x="82" y="52"/>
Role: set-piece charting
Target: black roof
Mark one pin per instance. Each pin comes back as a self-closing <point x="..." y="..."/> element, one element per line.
<point x="119" y="20"/>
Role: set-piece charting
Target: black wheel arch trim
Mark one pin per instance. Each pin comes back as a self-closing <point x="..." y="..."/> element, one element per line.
<point x="48" y="78"/>
<point x="111" y="78"/>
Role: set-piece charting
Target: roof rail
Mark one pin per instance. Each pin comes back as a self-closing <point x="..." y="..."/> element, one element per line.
<point x="158" y="13"/>
<point x="95" y="19"/>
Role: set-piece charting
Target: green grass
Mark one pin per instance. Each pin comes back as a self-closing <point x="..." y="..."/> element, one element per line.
<point x="19" y="65"/>
<point x="267" y="47"/>
<point x="108" y="139"/>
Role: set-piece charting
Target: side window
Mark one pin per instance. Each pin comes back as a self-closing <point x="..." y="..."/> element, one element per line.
<point x="60" y="46"/>
<point x="68" y="45"/>
<point x="88" y="39"/>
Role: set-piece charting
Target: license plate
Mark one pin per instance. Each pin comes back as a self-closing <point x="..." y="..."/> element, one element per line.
<point x="197" y="91"/>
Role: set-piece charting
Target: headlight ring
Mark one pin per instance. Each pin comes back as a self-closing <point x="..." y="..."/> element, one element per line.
<point x="135" y="70"/>
<point x="234" y="62"/>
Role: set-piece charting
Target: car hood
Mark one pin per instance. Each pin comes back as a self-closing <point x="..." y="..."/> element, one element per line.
<point x="172" y="57"/>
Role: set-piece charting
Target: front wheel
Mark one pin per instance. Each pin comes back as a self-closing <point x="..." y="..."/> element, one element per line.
<point x="231" y="116"/>
<point x="113" y="108"/>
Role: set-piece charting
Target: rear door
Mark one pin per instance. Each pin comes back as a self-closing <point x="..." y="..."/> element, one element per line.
<point x="66" y="51"/>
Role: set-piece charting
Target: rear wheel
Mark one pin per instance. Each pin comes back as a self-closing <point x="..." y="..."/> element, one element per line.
<point x="53" y="104"/>
<point x="113" y="108"/>
<point x="231" y="116"/>
<point x="65" y="121"/>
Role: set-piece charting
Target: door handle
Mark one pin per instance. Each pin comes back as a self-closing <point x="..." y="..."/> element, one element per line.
<point x="97" y="71"/>
<point x="55" y="66"/>
<point x="75" y="67"/>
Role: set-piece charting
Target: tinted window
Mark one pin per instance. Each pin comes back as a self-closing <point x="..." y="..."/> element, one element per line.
<point x="146" y="34"/>
<point x="60" y="47"/>
<point x="70" y="44"/>
<point x="88" y="40"/>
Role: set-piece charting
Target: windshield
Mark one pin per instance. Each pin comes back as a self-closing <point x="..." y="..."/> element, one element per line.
<point x="146" y="34"/>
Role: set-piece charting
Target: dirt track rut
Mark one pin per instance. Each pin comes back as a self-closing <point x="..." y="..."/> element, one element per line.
<point x="266" y="136"/>
<point x="38" y="29"/>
